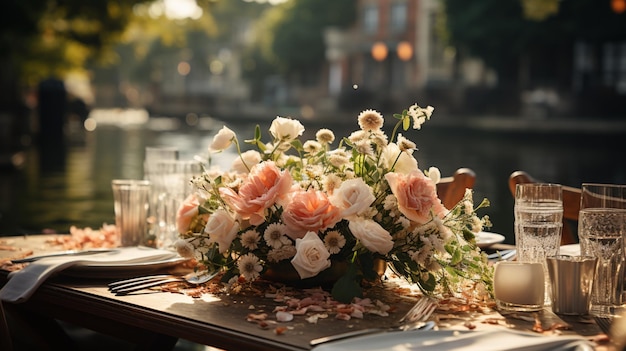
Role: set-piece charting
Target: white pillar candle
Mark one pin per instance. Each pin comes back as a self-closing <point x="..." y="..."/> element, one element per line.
<point x="519" y="286"/>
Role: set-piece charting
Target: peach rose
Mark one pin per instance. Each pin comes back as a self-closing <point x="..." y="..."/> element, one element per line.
<point x="416" y="194"/>
<point x="309" y="211"/>
<point x="311" y="256"/>
<point x="264" y="185"/>
<point x="187" y="213"/>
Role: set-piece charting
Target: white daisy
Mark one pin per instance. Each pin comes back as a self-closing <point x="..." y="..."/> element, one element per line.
<point x="249" y="266"/>
<point x="334" y="241"/>
<point x="250" y="239"/>
<point x="275" y="234"/>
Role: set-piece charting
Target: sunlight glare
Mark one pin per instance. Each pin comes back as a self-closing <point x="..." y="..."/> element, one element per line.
<point x="181" y="9"/>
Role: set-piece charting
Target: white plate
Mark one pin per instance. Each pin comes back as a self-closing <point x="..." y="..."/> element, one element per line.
<point x="431" y="340"/>
<point x="486" y="239"/>
<point x="571" y="250"/>
<point x="118" y="270"/>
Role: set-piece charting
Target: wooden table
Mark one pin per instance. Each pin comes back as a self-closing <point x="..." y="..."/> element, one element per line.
<point x="155" y="320"/>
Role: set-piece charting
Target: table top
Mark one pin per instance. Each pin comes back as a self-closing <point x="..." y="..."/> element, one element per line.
<point x="222" y="320"/>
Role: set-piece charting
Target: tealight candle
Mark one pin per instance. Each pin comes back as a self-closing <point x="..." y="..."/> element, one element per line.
<point x="519" y="286"/>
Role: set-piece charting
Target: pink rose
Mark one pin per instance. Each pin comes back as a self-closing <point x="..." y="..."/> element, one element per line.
<point x="416" y="194"/>
<point x="260" y="190"/>
<point x="309" y="211"/>
<point x="187" y="212"/>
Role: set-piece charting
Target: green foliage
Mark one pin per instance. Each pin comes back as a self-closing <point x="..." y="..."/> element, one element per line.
<point x="293" y="36"/>
<point x="347" y="287"/>
<point x="499" y="32"/>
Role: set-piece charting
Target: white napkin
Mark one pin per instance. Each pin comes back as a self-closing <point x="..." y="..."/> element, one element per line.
<point x="491" y="340"/>
<point x="23" y="283"/>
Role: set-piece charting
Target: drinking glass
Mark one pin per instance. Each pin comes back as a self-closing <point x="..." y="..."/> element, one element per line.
<point x="173" y="182"/>
<point x="131" y="203"/>
<point x="601" y="231"/>
<point x="538" y="225"/>
<point x="153" y="155"/>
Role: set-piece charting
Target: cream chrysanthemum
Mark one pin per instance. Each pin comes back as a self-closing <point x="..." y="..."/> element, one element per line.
<point x="325" y="136"/>
<point x="370" y="120"/>
<point x="405" y="144"/>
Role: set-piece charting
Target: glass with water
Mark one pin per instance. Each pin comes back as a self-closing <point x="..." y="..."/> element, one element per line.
<point x="538" y="224"/>
<point x="601" y="231"/>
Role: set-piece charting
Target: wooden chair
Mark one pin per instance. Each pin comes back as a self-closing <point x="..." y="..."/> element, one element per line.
<point x="571" y="204"/>
<point x="452" y="189"/>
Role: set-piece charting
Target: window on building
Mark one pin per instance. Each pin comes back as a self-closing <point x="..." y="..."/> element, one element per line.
<point x="398" y="19"/>
<point x="370" y="19"/>
<point x="614" y="66"/>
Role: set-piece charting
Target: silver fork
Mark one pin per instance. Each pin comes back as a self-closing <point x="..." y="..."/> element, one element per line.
<point x="127" y="286"/>
<point x="415" y="318"/>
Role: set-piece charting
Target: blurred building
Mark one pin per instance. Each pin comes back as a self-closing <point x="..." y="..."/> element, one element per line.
<point x="395" y="55"/>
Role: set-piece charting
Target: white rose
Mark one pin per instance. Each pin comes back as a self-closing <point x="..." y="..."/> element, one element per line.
<point x="374" y="237"/>
<point x="353" y="197"/>
<point x="286" y="129"/>
<point x="434" y="174"/>
<point x="404" y="165"/>
<point x="311" y="256"/>
<point x="222" y="229"/>
<point x="222" y="139"/>
<point x="250" y="157"/>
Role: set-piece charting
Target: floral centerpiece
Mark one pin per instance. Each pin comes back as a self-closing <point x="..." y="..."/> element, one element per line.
<point x="309" y="206"/>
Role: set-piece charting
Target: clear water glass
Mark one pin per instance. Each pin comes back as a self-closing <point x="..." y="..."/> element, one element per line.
<point x="153" y="155"/>
<point x="538" y="225"/>
<point x="601" y="231"/>
<point x="130" y="204"/>
<point x="173" y="183"/>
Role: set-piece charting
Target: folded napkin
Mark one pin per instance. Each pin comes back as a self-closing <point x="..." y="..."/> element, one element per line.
<point x="491" y="340"/>
<point x="23" y="283"/>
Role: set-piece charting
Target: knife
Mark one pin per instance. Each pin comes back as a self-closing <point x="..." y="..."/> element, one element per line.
<point x="413" y="326"/>
<point x="62" y="253"/>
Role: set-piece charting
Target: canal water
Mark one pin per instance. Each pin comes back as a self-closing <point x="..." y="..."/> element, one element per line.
<point x="63" y="186"/>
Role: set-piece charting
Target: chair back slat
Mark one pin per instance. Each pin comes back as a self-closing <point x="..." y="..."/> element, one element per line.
<point x="452" y="189"/>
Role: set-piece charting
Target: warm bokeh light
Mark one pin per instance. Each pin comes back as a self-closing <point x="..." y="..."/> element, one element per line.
<point x="307" y="112"/>
<point x="90" y="124"/>
<point x="216" y="67"/>
<point x="618" y="6"/>
<point x="379" y="51"/>
<point x="183" y="68"/>
<point x="405" y="51"/>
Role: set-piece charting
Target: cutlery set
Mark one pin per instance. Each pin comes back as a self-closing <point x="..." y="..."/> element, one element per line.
<point x="127" y="286"/>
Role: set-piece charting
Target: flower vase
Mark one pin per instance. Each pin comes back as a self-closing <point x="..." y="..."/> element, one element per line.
<point x="284" y="272"/>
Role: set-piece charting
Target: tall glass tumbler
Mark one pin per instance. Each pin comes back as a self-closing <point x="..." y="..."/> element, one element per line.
<point x="538" y="225"/>
<point x="601" y="231"/>
<point x="130" y="203"/>
<point x="153" y="155"/>
<point x="173" y="182"/>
